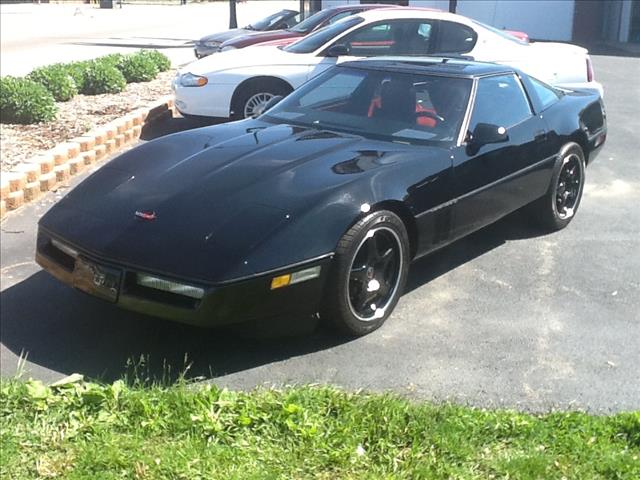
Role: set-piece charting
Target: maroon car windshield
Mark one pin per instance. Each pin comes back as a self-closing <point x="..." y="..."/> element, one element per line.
<point x="312" y="22"/>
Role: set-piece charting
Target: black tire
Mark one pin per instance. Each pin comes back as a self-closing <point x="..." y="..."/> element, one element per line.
<point x="551" y="211"/>
<point x="357" y="280"/>
<point x="270" y="88"/>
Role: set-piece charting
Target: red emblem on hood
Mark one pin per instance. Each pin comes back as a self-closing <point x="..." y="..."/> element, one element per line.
<point x="146" y="214"/>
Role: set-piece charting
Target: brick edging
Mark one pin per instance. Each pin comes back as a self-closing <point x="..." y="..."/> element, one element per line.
<point x="28" y="180"/>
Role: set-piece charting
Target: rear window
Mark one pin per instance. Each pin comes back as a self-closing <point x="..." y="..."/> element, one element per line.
<point x="547" y="95"/>
<point x="502" y="33"/>
<point x="455" y="38"/>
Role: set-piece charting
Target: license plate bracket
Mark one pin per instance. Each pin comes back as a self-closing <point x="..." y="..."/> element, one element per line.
<point x="97" y="280"/>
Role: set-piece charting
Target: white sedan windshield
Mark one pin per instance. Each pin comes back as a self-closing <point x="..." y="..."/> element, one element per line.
<point x="314" y="41"/>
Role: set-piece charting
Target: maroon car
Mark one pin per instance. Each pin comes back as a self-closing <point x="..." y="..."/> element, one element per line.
<point x="314" y="22"/>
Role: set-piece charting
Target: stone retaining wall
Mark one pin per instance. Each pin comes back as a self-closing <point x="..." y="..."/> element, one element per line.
<point x="44" y="172"/>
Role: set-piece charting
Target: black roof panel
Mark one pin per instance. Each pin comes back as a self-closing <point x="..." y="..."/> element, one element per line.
<point x="458" y="67"/>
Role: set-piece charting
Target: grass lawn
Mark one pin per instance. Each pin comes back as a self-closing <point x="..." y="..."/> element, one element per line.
<point x="99" y="431"/>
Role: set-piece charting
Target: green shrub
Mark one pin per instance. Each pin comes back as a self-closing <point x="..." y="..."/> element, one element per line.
<point x="160" y="59"/>
<point x="101" y="77"/>
<point x="57" y="80"/>
<point x="113" y="59"/>
<point x="25" y="101"/>
<point x="78" y="71"/>
<point x="138" y="68"/>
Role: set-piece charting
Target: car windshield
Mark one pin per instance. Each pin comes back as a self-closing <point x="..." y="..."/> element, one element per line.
<point x="388" y="105"/>
<point x="314" y="41"/>
<point x="312" y="22"/>
<point x="271" y="20"/>
<point x="502" y="33"/>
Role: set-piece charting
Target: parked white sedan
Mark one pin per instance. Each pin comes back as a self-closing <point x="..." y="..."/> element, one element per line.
<point x="237" y="83"/>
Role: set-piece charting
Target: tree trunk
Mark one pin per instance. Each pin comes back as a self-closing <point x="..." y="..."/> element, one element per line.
<point x="233" y="19"/>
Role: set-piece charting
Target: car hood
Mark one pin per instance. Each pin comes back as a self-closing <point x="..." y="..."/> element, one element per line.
<point x="224" y="36"/>
<point x="253" y="38"/>
<point x="217" y="194"/>
<point x="247" y="57"/>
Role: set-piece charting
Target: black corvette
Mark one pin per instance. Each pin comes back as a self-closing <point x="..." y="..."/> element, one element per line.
<point x="321" y="203"/>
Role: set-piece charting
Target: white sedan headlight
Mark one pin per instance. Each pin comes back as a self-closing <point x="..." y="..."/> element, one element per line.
<point x="191" y="80"/>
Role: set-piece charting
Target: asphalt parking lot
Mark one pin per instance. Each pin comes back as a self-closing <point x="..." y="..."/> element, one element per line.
<point x="32" y="34"/>
<point x="505" y="317"/>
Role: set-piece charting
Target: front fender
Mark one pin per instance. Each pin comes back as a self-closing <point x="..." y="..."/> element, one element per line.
<point x="294" y="75"/>
<point x="316" y="230"/>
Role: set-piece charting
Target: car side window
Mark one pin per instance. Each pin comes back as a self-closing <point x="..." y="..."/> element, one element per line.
<point x="390" y="38"/>
<point x="455" y="38"/>
<point x="500" y="100"/>
<point x="546" y="95"/>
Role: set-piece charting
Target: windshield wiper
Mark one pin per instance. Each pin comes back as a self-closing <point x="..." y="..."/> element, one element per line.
<point x="328" y="125"/>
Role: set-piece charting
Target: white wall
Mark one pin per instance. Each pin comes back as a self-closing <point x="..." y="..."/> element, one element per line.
<point x="540" y="19"/>
<point x="335" y="3"/>
<point x="439" y="4"/>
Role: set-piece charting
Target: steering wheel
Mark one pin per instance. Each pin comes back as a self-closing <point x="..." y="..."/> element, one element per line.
<point x="430" y="114"/>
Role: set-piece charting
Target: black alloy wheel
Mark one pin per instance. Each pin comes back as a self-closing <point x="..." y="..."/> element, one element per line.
<point x="569" y="186"/>
<point x="559" y="205"/>
<point x="374" y="273"/>
<point x="368" y="274"/>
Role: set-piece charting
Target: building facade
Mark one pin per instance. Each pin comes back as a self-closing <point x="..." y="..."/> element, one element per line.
<point x="580" y="21"/>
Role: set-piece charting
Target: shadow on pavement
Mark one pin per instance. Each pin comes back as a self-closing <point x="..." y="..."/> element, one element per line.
<point x="173" y="125"/>
<point x="515" y="226"/>
<point x="67" y="331"/>
<point x="137" y="45"/>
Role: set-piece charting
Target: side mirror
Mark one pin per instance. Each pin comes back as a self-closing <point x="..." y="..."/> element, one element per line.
<point x="485" y="134"/>
<point x="268" y="105"/>
<point x="337" y="50"/>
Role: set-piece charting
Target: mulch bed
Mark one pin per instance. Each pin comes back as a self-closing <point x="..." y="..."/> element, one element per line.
<point x="74" y="118"/>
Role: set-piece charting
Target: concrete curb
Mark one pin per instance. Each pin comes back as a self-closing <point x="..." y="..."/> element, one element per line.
<point x="44" y="172"/>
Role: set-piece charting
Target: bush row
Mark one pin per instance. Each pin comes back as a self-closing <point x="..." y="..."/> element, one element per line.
<point x="32" y="99"/>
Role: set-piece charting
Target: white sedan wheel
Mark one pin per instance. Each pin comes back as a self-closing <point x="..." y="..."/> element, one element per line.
<point x="255" y="103"/>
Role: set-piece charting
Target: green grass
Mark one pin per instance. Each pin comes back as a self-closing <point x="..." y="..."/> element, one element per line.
<point x="98" y="431"/>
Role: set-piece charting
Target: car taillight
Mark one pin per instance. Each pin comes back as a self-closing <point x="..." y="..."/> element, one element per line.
<point x="589" y="70"/>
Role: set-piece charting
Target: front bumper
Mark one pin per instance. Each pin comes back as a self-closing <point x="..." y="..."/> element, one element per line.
<point x="201" y="50"/>
<point x="211" y="100"/>
<point x="222" y="304"/>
